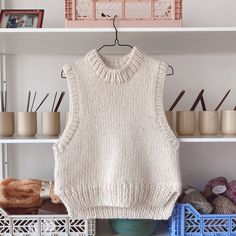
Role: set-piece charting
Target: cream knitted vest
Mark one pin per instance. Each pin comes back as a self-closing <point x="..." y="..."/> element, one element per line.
<point x="117" y="157"/>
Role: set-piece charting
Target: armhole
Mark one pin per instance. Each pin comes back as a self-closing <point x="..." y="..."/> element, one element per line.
<point x="167" y="131"/>
<point x="73" y="116"/>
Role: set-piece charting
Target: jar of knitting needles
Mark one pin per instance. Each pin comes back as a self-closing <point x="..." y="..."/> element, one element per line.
<point x="169" y="113"/>
<point x="185" y="122"/>
<point x="7" y="124"/>
<point x="228" y="122"/>
<point x="27" y="121"/>
<point x="208" y="122"/>
<point x="50" y="123"/>
<point x="27" y="124"/>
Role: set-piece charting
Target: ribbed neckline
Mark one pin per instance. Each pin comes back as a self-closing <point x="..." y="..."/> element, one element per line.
<point x="115" y="70"/>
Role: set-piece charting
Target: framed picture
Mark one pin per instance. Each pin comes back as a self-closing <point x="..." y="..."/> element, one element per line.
<point x="21" y="18"/>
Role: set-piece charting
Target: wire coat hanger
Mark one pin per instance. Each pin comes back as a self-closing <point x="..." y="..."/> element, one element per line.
<point x="117" y="42"/>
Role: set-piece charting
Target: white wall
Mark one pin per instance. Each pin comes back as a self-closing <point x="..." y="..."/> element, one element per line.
<point x="215" y="73"/>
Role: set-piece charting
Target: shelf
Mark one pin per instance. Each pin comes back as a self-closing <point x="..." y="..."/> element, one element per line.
<point x="207" y="139"/>
<point x="182" y="139"/>
<point x="37" y="139"/>
<point x="150" y="40"/>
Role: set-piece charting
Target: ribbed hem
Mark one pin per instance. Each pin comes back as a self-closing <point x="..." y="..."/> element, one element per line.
<point x="121" y="201"/>
<point x="146" y="212"/>
<point x="115" y="70"/>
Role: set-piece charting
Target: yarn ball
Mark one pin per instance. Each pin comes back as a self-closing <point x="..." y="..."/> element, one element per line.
<point x="197" y="200"/>
<point x="222" y="205"/>
<point x="231" y="192"/>
<point x="216" y="186"/>
<point x="129" y="227"/>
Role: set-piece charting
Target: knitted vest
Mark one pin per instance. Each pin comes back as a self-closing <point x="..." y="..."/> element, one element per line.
<point x="117" y="157"/>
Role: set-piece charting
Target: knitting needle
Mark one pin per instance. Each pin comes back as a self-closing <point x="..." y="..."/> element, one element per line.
<point x="59" y="101"/>
<point x="197" y="100"/>
<point x="2" y="101"/>
<point x="203" y="103"/>
<point x="177" y="100"/>
<point x="5" y="107"/>
<point x="31" y="109"/>
<point x="217" y="108"/>
<point x="42" y="102"/>
<point x="28" y="102"/>
<point x="54" y="101"/>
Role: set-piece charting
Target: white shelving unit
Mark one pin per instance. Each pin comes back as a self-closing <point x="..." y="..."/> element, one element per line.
<point x="78" y="41"/>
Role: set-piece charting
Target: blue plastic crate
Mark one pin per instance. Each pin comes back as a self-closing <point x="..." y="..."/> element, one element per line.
<point x="187" y="221"/>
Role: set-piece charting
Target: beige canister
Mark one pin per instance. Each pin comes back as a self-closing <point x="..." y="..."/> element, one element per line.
<point x="208" y="122"/>
<point x="66" y="117"/>
<point x="27" y="124"/>
<point x="50" y="123"/>
<point x="169" y="117"/>
<point x="185" y="122"/>
<point x="228" y="122"/>
<point x="7" y="124"/>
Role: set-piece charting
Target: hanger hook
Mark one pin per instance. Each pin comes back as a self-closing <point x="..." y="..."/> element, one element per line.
<point x="172" y="71"/>
<point x="116" y="33"/>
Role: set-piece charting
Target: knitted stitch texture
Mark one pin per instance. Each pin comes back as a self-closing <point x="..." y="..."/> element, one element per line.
<point x="117" y="157"/>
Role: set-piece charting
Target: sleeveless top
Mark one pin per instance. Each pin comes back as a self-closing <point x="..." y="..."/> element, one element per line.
<point x="117" y="157"/>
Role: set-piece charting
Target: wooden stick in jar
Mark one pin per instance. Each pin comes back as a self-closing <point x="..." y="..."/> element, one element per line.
<point x="223" y="99"/>
<point x="203" y="103"/>
<point x="197" y="100"/>
<point x="177" y="100"/>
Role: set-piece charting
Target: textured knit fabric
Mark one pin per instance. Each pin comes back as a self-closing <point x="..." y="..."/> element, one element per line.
<point x="117" y="157"/>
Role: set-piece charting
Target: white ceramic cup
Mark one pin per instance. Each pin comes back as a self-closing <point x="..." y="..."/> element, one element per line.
<point x="185" y="122"/>
<point x="27" y="124"/>
<point x="208" y="122"/>
<point x="228" y="122"/>
<point x="169" y="118"/>
<point x="7" y="124"/>
<point x="50" y="123"/>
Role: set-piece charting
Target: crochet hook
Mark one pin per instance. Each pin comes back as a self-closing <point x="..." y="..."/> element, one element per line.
<point x="221" y="102"/>
<point x="197" y="100"/>
<point x="59" y="101"/>
<point x="42" y="102"/>
<point x="177" y="100"/>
